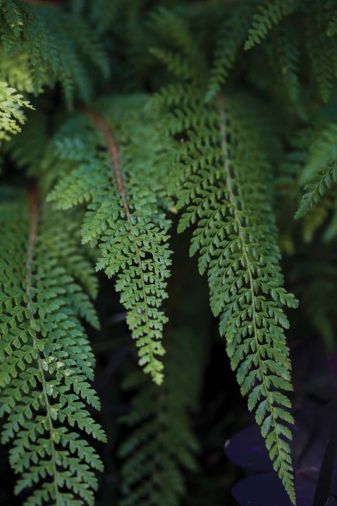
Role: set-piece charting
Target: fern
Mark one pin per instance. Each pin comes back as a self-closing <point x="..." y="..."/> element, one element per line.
<point x="120" y="183"/>
<point x="267" y="16"/>
<point x="55" y="43"/>
<point x="12" y="116"/>
<point x="284" y="55"/>
<point x="161" y="444"/>
<point x="319" y="173"/>
<point x="14" y="69"/>
<point x="222" y="186"/>
<point x="47" y="361"/>
<point x="143" y="111"/>
<point x="229" y="42"/>
<point x="323" y="64"/>
<point x="177" y="50"/>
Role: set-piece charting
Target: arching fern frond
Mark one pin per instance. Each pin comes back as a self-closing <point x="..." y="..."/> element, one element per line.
<point x="222" y="182"/>
<point x="116" y="169"/>
<point x="161" y="445"/>
<point x="47" y="364"/>
<point x="267" y="16"/>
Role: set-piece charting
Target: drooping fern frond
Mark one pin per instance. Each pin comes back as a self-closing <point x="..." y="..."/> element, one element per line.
<point x="12" y="115"/>
<point x="47" y="364"/>
<point x="267" y="16"/>
<point x="116" y="169"/>
<point x="161" y="446"/>
<point x="320" y="171"/>
<point x="222" y="182"/>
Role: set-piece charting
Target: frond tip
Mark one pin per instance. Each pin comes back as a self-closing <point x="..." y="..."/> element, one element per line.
<point x="320" y="171"/>
<point x="267" y="16"/>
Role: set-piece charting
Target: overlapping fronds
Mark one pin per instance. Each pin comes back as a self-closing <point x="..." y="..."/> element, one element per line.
<point x="161" y="446"/>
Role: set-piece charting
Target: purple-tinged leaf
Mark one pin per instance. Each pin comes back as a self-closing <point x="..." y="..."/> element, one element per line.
<point x="261" y="490"/>
<point x="247" y="449"/>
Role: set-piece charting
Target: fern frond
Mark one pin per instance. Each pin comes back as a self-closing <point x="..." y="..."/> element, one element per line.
<point x="229" y="42"/>
<point x="176" y="48"/>
<point x="57" y="45"/>
<point x="161" y="445"/>
<point x="284" y="53"/>
<point x="323" y="59"/>
<point x="332" y="24"/>
<point x="101" y="12"/>
<point x="222" y="185"/>
<point x="12" y="115"/>
<point x="116" y="172"/>
<point x="268" y="15"/>
<point x="47" y="361"/>
<point x="320" y="171"/>
<point x="15" y="70"/>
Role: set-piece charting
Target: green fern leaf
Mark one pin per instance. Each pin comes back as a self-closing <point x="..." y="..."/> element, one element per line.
<point x="222" y="184"/>
<point x="11" y="111"/>
<point x="55" y="46"/>
<point x="47" y="361"/>
<point x="119" y="180"/>
<point x="229" y="42"/>
<point x="267" y="16"/>
<point x="320" y="171"/>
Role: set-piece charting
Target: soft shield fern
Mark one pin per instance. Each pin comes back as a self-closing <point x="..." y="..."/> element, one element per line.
<point x="47" y="368"/>
<point x="222" y="180"/>
<point x="121" y="183"/>
<point x="121" y="123"/>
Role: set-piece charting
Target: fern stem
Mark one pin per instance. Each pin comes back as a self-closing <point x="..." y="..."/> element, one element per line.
<point x="112" y="145"/>
<point x="32" y="240"/>
<point x="113" y="149"/>
<point x="236" y="210"/>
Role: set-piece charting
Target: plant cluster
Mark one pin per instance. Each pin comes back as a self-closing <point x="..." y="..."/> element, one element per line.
<point x="121" y="121"/>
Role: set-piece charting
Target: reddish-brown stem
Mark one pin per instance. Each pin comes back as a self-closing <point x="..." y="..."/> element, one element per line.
<point x="113" y="149"/>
